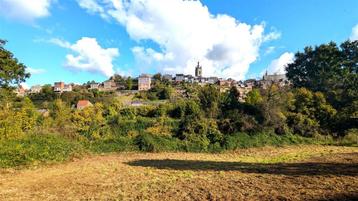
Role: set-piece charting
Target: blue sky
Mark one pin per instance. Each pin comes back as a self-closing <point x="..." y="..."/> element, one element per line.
<point x="83" y="40"/>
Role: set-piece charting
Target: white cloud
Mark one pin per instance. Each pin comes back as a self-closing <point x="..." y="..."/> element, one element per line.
<point x="25" y="10"/>
<point x="35" y="71"/>
<point x="354" y="35"/>
<point x="278" y="65"/>
<point x="269" y="50"/>
<point x="185" y="32"/>
<point x="93" y="6"/>
<point x="89" y="55"/>
<point x="60" y="42"/>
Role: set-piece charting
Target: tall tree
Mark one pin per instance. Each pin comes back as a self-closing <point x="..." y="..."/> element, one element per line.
<point x="209" y="97"/>
<point x="332" y="70"/>
<point x="11" y="70"/>
<point x="129" y="83"/>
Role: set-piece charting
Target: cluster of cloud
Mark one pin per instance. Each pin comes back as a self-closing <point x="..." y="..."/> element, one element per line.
<point x="354" y="35"/>
<point x="25" y="10"/>
<point x="279" y="65"/>
<point x="88" y="55"/>
<point x="185" y="32"/>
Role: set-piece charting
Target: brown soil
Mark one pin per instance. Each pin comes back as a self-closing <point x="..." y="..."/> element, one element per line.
<point x="290" y="173"/>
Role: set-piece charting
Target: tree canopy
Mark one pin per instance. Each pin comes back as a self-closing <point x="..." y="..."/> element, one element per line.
<point x="11" y="70"/>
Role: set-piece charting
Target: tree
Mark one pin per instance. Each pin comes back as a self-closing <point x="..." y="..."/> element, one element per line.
<point x="332" y="70"/>
<point x="11" y="70"/>
<point x="129" y="83"/>
<point x="230" y="100"/>
<point x="317" y="69"/>
<point x="209" y="97"/>
<point x="254" y="97"/>
<point x="157" y="77"/>
<point x="309" y="113"/>
<point x="90" y="122"/>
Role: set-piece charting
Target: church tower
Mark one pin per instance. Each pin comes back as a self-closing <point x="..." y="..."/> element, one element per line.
<point x="198" y="71"/>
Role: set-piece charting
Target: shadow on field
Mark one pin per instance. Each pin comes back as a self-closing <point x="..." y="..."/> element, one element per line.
<point x="339" y="197"/>
<point x="290" y="169"/>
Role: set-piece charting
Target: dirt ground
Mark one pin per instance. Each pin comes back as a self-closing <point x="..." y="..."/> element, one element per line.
<point x="289" y="173"/>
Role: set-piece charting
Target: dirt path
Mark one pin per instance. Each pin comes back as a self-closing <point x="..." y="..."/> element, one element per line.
<point x="291" y="173"/>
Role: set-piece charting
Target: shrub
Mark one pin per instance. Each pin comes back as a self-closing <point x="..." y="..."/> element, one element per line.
<point x="117" y="144"/>
<point x="196" y="143"/>
<point x="351" y="138"/>
<point x="123" y="126"/>
<point x="147" y="142"/>
<point x="34" y="149"/>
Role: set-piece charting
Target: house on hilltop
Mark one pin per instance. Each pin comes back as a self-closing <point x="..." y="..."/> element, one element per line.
<point x="279" y="79"/>
<point x="58" y="87"/>
<point x="109" y="85"/>
<point x="35" y="89"/>
<point x="144" y="82"/>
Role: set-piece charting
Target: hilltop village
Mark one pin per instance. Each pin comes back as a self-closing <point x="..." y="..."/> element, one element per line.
<point x="145" y="82"/>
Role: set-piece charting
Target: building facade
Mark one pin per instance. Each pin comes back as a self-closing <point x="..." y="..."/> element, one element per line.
<point x="58" y="86"/>
<point x="144" y="82"/>
<point x="109" y="85"/>
<point x="35" y="89"/>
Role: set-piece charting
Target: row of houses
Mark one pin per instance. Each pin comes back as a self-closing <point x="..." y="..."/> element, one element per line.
<point x="145" y="83"/>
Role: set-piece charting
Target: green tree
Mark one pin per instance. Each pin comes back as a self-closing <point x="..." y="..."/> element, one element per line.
<point x="254" y="97"/>
<point x="230" y="100"/>
<point x="332" y="70"/>
<point x="129" y="83"/>
<point x="157" y="77"/>
<point x="11" y="70"/>
<point x="309" y="113"/>
<point x="90" y="122"/>
<point x="209" y="97"/>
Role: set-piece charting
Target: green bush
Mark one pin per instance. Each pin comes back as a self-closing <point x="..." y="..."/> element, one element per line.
<point x="196" y="143"/>
<point x="117" y="144"/>
<point x="351" y="138"/>
<point x="151" y="143"/>
<point x="34" y="149"/>
<point x="123" y="125"/>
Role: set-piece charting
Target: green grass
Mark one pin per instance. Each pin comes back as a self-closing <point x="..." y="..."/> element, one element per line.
<point x="244" y="140"/>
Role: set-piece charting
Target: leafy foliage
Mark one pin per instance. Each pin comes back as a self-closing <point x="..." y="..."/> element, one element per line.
<point x="11" y="70"/>
<point x="34" y="149"/>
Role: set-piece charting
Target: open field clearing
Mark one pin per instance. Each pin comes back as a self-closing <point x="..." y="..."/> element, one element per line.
<point x="289" y="173"/>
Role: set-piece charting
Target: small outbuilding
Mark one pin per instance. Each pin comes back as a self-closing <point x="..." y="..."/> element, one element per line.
<point x="81" y="104"/>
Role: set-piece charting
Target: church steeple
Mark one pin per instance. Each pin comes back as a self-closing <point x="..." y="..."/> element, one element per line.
<point x="198" y="70"/>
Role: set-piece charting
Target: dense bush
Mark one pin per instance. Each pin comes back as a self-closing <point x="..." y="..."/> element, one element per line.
<point x="34" y="149"/>
<point x="151" y="143"/>
<point x="116" y="144"/>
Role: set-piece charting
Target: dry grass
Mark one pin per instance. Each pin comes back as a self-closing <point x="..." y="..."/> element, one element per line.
<point x="290" y="173"/>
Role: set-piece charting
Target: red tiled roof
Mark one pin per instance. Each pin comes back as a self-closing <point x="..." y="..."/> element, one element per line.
<point x="83" y="103"/>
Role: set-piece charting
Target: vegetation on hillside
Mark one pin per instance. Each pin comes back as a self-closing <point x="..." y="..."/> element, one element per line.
<point x="320" y="106"/>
